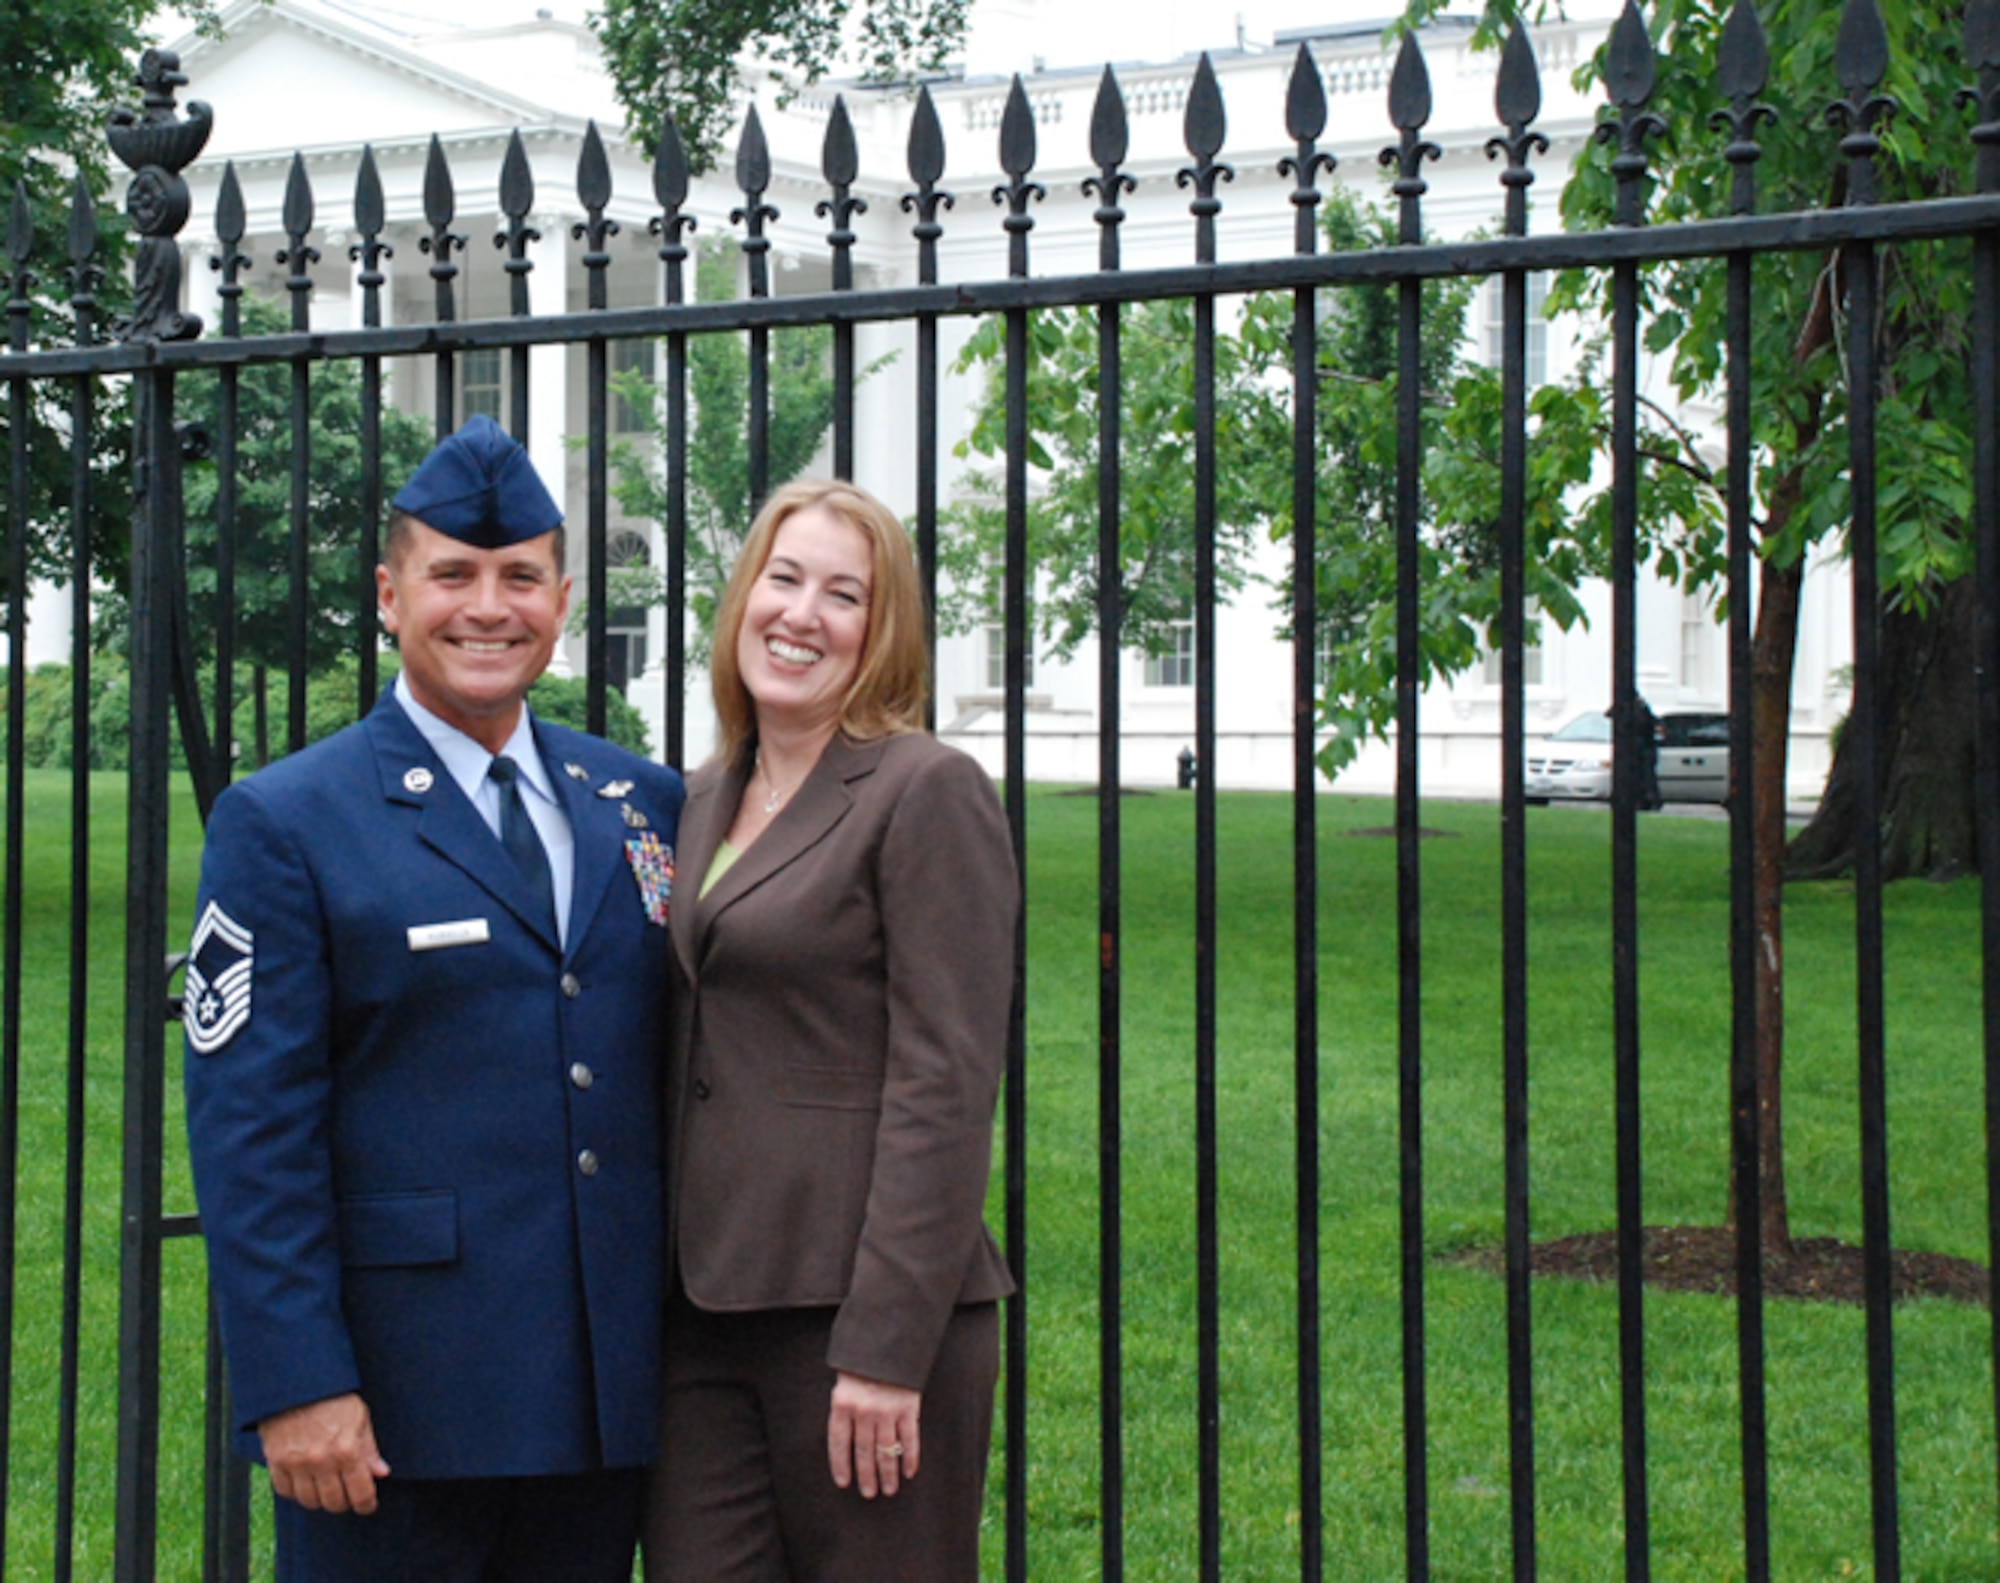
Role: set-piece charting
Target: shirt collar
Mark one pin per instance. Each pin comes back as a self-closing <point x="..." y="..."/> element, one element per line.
<point x="465" y="760"/>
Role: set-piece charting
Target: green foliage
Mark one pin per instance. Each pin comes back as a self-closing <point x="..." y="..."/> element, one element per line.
<point x="1799" y="348"/>
<point x="718" y="466"/>
<point x="1357" y="414"/>
<point x="680" y="57"/>
<point x="1156" y="528"/>
<point x="337" y="583"/>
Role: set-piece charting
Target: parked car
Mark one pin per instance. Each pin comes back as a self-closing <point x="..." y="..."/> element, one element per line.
<point x="1574" y="763"/>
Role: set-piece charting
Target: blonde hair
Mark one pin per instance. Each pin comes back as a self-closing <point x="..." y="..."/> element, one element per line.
<point x="893" y="679"/>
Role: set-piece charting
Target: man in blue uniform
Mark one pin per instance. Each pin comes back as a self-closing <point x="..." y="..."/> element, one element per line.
<point x="423" y="1012"/>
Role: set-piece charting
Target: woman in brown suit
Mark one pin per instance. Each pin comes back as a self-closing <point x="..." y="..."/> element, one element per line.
<point x="845" y="939"/>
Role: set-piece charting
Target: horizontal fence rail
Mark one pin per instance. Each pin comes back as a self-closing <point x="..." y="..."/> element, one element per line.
<point x="70" y="392"/>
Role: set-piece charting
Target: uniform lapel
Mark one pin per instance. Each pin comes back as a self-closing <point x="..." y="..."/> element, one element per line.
<point x="597" y="845"/>
<point x="446" y="820"/>
<point x="818" y="805"/>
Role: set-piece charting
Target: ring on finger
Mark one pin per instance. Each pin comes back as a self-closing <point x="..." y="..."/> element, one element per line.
<point x="891" y="1451"/>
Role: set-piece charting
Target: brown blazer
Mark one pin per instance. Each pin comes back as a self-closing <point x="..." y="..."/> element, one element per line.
<point x="839" y="1031"/>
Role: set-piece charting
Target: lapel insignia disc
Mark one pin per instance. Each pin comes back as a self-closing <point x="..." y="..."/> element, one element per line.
<point x="614" y="788"/>
<point x="219" y="964"/>
<point x="632" y="816"/>
<point x="576" y="772"/>
<point x="652" y="863"/>
<point x="417" y="780"/>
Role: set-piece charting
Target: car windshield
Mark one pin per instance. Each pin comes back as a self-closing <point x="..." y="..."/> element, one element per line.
<point x="1585" y="728"/>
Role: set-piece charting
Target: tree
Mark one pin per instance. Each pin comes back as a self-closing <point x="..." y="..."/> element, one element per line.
<point x="718" y="459"/>
<point x="69" y="61"/>
<point x="337" y="582"/>
<point x="1355" y="568"/>
<point x="681" y="57"/>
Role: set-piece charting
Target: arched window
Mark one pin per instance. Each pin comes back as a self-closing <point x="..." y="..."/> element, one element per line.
<point x="625" y="624"/>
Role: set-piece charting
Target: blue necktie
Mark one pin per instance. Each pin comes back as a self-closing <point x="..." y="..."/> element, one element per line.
<point x="519" y="837"/>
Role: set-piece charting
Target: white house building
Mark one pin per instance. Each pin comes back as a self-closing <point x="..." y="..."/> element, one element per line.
<point x="327" y="78"/>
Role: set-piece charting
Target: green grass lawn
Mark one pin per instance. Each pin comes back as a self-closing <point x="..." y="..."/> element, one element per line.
<point x="1818" y="1444"/>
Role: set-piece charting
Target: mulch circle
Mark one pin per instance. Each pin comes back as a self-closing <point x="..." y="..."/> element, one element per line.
<point x="1703" y="1259"/>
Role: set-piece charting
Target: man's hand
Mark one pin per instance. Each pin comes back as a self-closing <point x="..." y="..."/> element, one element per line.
<point x="323" y="1455"/>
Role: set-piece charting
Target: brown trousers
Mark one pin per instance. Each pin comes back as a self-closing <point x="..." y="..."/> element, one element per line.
<point x="742" y="1492"/>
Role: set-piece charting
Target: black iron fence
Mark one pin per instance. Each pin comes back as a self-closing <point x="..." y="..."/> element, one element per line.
<point x="55" y="391"/>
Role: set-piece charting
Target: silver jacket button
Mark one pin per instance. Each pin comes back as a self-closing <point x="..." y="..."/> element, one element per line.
<point x="582" y="1075"/>
<point x="570" y="986"/>
<point x="586" y="1162"/>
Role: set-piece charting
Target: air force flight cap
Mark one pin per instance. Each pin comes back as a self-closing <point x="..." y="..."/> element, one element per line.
<point x="479" y="487"/>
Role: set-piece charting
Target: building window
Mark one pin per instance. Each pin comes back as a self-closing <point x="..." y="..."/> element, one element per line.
<point x="1531" y="652"/>
<point x="996" y="659"/>
<point x="1494" y="335"/>
<point x="479" y="383"/>
<point x="632" y="357"/>
<point x="625" y="625"/>
<point x="1174" y="667"/>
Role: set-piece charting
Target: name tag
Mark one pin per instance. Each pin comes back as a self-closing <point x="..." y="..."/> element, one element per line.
<point x="437" y="936"/>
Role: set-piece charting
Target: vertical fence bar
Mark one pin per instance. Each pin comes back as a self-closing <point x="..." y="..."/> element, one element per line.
<point x="840" y="164"/>
<point x="753" y="175"/>
<point x="369" y="252"/>
<point x="226" y="1480"/>
<point x="517" y="198"/>
<point x="1629" y="74"/>
<point x="300" y="256"/>
<point x="1517" y="102"/>
<point x="20" y="248"/>
<point x="440" y="204"/>
<point x="1017" y="159"/>
<point x="926" y="160"/>
<point x="1741" y="63"/>
<point x="86" y="276"/>
<point x="229" y="229"/>
<point x="670" y="187"/>
<point x="1982" y="52"/>
<point x="1205" y="127"/>
<point x="1409" y="110"/>
<point x="1305" y="120"/>
<point x="593" y="189"/>
<point x="1861" y="60"/>
<point x="1109" y="142"/>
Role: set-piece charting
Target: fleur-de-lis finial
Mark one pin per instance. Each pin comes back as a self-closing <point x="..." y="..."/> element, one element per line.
<point x="840" y="163"/>
<point x="926" y="158"/>
<point x="517" y="198"/>
<point x="671" y="181"/>
<point x="1409" y="112"/>
<point x="753" y="175"/>
<point x="1109" y="139"/>
<point x="1017" y="158"/>
<point x="1742" y="65"/>
<point x="1305" y="120"/>
<point x="1860" y="61"/>
<point x="1630" y="70"/>
<point x="440" y="207"/>
<point x="1204" y="126"/>
<point x="593" y="191"/>
<point x="1517" y="99"/>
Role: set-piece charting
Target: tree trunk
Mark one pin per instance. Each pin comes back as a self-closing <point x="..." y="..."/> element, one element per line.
<point x="1774" y="650"/>
<point x="1929" y="718"/>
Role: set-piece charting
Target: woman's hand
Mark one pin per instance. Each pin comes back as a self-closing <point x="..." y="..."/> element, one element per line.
<point x="871" y="1434"/>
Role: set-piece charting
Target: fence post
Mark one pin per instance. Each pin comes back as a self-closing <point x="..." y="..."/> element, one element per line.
<point x="156" y="146"/>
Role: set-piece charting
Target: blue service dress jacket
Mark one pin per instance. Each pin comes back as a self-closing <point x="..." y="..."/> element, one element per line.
<point x="425" y="1136"/>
